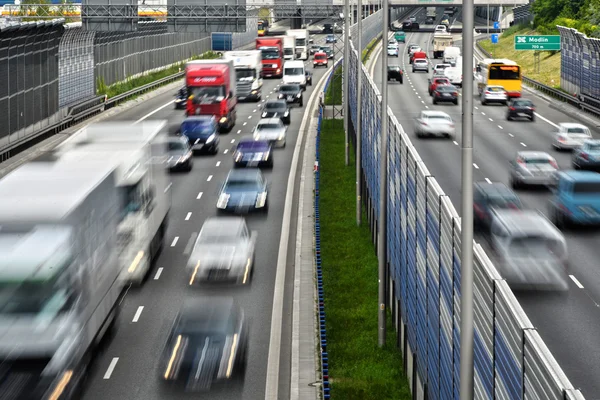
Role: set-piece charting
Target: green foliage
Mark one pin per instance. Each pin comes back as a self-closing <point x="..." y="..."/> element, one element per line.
<point x="366" y="53"/>
<point x="583" y="15"/>
<point x="333" y="96"/>
<point x="133" y="83"/>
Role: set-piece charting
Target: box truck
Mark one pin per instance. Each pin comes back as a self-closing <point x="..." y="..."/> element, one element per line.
<point x="248" y="73"/>
<point x="440" y="42"/>
<point x="289" y="47"/>
<point x="272" y="56"/>
<point x="302" y="38"/>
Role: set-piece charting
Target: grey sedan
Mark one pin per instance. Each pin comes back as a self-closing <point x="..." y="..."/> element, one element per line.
<point x="533" y="168"/>
<point x="224" y="252"/>
<point x="272" y="130"/>
<point x="179" y="153"/>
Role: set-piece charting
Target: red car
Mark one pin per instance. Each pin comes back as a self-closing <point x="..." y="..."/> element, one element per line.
<point x="320" y="59"/>
<point x="437" y="82"/>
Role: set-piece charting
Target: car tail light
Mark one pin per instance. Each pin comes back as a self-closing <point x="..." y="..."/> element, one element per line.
<point x="424" y="123"/>
<point x="531" y="108"/>
<point x="506" y="94"/>
<point x="584" y="156"/>
<point x="455" y="93"/>
<point x="521" y="162"/>
<point x="511" y="108"/>
<point x="554" y="164"/>
<point x="513" y="206"/>
<point x="488" y="92"/>
<point x="565" y="209"/>
<point x="562" y="139"/>
<point x="478" y="210"/>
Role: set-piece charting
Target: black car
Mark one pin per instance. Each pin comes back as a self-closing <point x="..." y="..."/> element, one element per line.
<point x="410" y="26"/>
<point x="309" y="76"/>
<point x="327" y="28"/>
<point x="253" y="153"/>
<point x="487" y="197"/>
<point x="211" y="333"/>
<point x="292" y="94"/>
<point x="277" y="108"/>
<point x="327" y="50"/>
<point x="394" y="72"/>
<point x="315" y="48"/>
<point x="181" y="98"/>
<point x="445" y="93"/>
<point x="180" y="154"/>
<point x="520" y="108"/>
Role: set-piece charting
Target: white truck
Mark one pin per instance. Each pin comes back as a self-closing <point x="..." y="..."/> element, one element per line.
<point x="451" y="54"/>
<point x="138" y="152"/>
<point x="248" y="73"/>
<point x="289" y="47"/>
<point x="294" y="73"/>
<point x="302" y="41"/>
<point x="59" y="275"/>
<point x="430" y="18"/>
<point x="440" y="42"/>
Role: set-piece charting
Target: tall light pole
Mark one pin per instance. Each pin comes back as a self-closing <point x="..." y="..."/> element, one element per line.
<point x="358" y="127"/>
<point x="383" y="182"/>
<point x="466" y="309"/>
<point x="346" y="66"/>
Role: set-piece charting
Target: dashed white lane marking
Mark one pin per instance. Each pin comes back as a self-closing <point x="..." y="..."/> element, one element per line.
<point x="218" y="163"/>
<point x="579" y="285"/>
<point x="209" y="178"/>
<point x="188" y="216"/>
<point x="249" y="116"/>
<point x="500" y="127"/>
<point x="111" y="367"/>
<point x="482" y="113"/>
<point x="225" y="151"/>
<point x="175" y="240"/>
<point x="239" y="130"/>
<point x="475" y="107"/>
<point x="232" y="140"/>
<point x="511" y="135"/>
<point x="523" y="144"/>
<point x="244" y="124"/>
<point x="254" y="110"/>
<point x="488" y="180"/>
<point x="491" y="120"/>
<point x="418" y="96"/>
<point x="199" y="195"/>
<point x="422" y="101"/>
<point x="190" y="244"/>
<point x="476" y="166"/>
<point x="455" y="142"/>
<point x="426" y="106"/>
<point x="158" y="274"/>
<point x="138" y="313"/>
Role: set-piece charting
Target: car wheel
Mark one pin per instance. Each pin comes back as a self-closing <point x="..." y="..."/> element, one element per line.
<point x="401" y="82"/>
<point x="455" y="102"/>
<point x="434" y="101"/>
<point x="190" y="166"/>
<point x="508" y="117"/>
<point x="575" y="165"/>
<point x="483" y="103"/>
<point x="413" y="70"/>
<point x="301" y="103"/>
<point x="532" y="119"/>
<point x="515" y="184"/>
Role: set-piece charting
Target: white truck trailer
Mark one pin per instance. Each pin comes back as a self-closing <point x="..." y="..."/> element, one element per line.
<point x="248" y="73"/>
<point x="289" y="47"/>
<point x="59" y="275"/>
<point x="440" y="42"/>
<point x="302" y="41"/>
<point x="139" y="155"/>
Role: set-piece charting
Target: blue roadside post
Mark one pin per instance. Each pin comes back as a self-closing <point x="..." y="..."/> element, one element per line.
<point x="495" y="37"/>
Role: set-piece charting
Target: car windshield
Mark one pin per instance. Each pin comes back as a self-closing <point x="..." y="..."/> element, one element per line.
<point x="264" y="127"/>
<point x="217" y="237"/>
<point x="523" y="103"/>
<point x="207" y="94"/>
<point x="538" y="161"/>
<point x="504" y="202"/>
<point x="244" y="74"/>
<point x="177" y="145"/>
<point x="275" y="107"/>
<point x="587" y="188"/>
<point x="238" y="185"/>
<point x="509" y="72"/>
<point x="293" y="71"/>
<point x="270" y="53"/>
<point x="530" y="246"/>
<point x="201" y="127"/>
<point x="289" y="89"/>
<point x="325" y="48"/>
<point x="441" y="81"/>
<point x="320" y="56"/>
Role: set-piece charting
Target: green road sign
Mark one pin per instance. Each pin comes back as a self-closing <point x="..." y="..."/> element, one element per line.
<point x="537" y="42"/>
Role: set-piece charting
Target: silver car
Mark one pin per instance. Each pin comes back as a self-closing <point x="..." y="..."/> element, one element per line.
<point x="223" y="252"/>
<point x="420" y="64"/>
<point x="434" y="123"/>
<point x="533" y="168"/>
<point x="494" y="94"/>
<point x="570" y="136"/>
<point x="179" y="152"/>
<point x="271" y="129"/>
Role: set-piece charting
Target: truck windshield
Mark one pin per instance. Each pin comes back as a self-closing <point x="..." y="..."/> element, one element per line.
<point x="131" y="199"/>
<point x="245" y="74"/>
<point x="293" y="71"/>
<point x="44" y="298"/>
<point x="300" y="42"/>
<point x="270" y="54"/>
<point x="288" y="52"/>
<point x="207" y="94"/>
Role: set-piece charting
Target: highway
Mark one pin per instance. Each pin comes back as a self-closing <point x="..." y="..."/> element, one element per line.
<point x="569" y="323"/>
<point x="127" y="368"/>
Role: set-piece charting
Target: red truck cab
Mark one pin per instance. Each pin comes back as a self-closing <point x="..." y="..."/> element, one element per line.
<point x="320" y="59"/>
<point x="211" y="90"/>
<point x="272" y="56"/>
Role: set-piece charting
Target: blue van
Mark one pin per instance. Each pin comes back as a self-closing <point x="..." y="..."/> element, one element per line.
<point x="576" y="198"/>
<point x="202" y="133"/>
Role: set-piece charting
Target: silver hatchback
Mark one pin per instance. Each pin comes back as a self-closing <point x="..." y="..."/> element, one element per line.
<point x="494" y="94"/>
<point x="533" y="168"/>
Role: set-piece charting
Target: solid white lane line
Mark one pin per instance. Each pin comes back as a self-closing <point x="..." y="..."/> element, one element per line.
<point x="151" y="113"/>
<point x="488" y="180"/>
<point x="523" y="144"/>
<point x="476" y="166"/>
<point x="188" y="216"/>
<point x="579" y="285"/>
<point x="111" y="367"/>
<point x="218" y="163"/>
<point x="209" y="178"/>
<point x="199" y="195"/>
<point x="138" y="313"/>
<point x="158" y="273"/>
<point x="175" y="240"/>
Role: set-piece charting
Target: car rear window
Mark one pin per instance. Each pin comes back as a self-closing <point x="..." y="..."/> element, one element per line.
<point x="253" y="146"/>
<point x="537" y="161"/>
<point x="504" y="202"/>
<point x="439" y="118"/>
<point x="495" y="89"/>
<point x="261" y="127"/>
<point x="446" y="88"/>
<point x="275" y="106"/>
<point x="577" y="130"/>
<point x="587" y="188"/>
<point x="523" y="103"/>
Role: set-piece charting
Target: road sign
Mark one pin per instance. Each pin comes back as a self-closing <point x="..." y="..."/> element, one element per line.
<point x="537" y="42"/>
<point x="496" y="25"/>
<point x="494" y="38"/>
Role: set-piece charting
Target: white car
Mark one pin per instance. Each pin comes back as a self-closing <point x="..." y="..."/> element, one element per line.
<point x="439" y="68"/>
<point x="271" y="129"/>
<point x="493" y="94"/>
<point x="434" y="123"/>
<point x="420" y="64"/>
<point x="393" y="51"/>
<point x="440" y="28"/>
<point x="570" y="136"/>
<point x="454" y="75"/>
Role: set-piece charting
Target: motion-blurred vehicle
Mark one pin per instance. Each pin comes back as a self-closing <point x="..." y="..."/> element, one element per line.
<point x="445" y="94"/>
<point x="309" y="76"/>
<point x="223" y="252"/>
<point x="454" y="75"/>
<point x="327" y="50"/>
<point x="570" y="136"/>
<point x="207" y="345"/>
<point x="520" y="108"/>
<point x="439" y="68"/>
<point x="412" y="19"/>
<point x="202" y="133"/>
<point x="395" y="73"/>
<point x="181" y="98"/>
<point x="576" y="198"/>
<point x="320" y="59"/>
<point x="493" y="94"/>
<point x="315" y="48"/>
<point x="434" y="123"/>
<point x="400" y="36"/>
<point x="490" y="196"/>
<point x="412" y="47"/>
<point x="179" y="153"/>
<point x="253" y="153"/>
<point x="392" y="51"/>
<point x="532" y="252"/>
<point x="587" y="156"/>
<point x="272" y="130"/>
<point x="532" y="168"/>
<point x="244" y="191"/>
<point x="435" y="82"/>
<point x="277" y="109"/>
<point x="440" y="28"/>
<point x="292" y="94"/>
<point x="420" y="64"/>
<point x="330" y="39"/>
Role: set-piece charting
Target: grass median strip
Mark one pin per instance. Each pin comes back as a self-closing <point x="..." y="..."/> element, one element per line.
<point x="358" y="368"/>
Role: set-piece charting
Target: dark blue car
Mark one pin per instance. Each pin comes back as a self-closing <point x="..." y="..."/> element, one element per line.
<point x="244" y="191"/>
<point x="253" y="153"/>
<point x="202" y="134"/>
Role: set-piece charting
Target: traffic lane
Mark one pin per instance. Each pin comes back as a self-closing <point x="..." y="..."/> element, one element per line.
<point x="266" y="229"/>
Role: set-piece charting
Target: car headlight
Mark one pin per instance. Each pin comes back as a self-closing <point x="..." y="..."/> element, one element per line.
<point x="280" y="96"/>
<point x="223" y="200"/>
<point x="281" y="136"/>
<point x="278" y="70"/>
<point x="261" y="200"/>
<point x="266" y="156"/>
<point x="274" y="66"/>
<point x="211" y="138"/>
<point x="238" y="156"/>
<point x="185" y="157"/>
<point x="264" y="114"/>
<point x="285" y="114"/>
<point x="298" y="95"/>
<point x="223" y="120"/>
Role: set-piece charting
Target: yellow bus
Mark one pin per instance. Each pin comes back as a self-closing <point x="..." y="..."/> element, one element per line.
<point x="263" y="28"/>
<point x="499" y="72"/>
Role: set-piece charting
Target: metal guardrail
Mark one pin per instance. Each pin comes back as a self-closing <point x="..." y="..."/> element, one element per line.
<point x="550" y="91"/>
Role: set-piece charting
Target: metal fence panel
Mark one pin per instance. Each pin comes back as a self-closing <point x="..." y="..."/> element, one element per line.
<point x="421" y="255"/>
<point x="411" y="244"/>
<point x="404" y="226"/>
<point x="580" y="63"/>
<point x="456" y="276"/>
<point x="76" y="66"/>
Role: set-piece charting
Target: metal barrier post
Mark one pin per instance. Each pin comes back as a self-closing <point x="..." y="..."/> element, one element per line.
<point x="358" y="127"/>
<point x="346" y="66"/>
